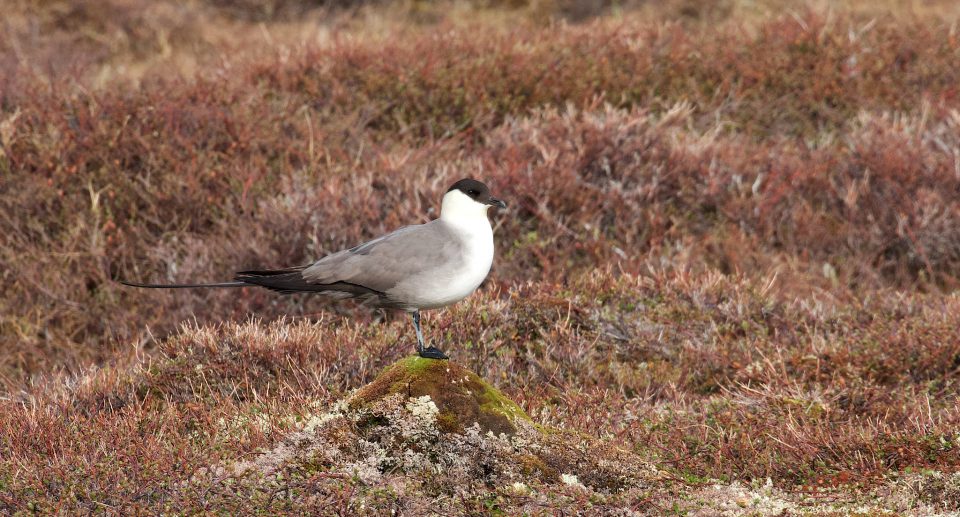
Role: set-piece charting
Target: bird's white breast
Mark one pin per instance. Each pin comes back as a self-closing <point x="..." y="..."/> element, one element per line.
<point x="455" y="281"/>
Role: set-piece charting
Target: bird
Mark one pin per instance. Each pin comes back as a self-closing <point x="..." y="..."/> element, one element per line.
<point x="414" y="268"/>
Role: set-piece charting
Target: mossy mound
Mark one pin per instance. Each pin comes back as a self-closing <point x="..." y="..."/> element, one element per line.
<point x="430" y="437"/>
<point x="461" y="396"/>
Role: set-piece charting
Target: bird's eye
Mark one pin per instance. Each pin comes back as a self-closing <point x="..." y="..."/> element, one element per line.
<point x="473" y="193"/>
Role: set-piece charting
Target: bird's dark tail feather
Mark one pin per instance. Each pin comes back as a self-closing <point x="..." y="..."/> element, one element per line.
<point x="183" y="286"/>
<point x="285" y="281"/>
<point x="289" y="280"/>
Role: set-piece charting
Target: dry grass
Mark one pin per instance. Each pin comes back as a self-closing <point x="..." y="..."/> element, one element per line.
<point x="733" y="242"/>
<point x="705" y="376"/>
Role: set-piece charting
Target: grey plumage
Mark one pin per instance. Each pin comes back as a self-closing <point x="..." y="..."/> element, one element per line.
<point x="382" y="264"/>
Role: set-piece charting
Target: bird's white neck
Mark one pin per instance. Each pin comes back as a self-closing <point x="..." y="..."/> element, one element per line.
<point x="459" y="209"/>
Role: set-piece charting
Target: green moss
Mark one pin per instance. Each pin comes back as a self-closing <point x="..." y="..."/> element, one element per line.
<point x="492" y="399"/>
<point x="461" y="396"/>
<point x="416" y="364"/>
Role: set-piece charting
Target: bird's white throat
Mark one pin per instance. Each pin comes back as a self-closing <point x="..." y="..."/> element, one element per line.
<point x="469" y="220"/>
<point x="460" y="209"/>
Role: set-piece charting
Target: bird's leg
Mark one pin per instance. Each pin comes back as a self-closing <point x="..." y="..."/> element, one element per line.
<point x="416" y="325"/>
<point x="429" y="353"/>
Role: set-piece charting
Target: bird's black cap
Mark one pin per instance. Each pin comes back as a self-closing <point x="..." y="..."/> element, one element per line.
<point x="477" y="191"/>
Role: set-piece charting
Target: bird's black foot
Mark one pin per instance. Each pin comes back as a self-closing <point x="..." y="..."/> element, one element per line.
<point x="432" y="353"/>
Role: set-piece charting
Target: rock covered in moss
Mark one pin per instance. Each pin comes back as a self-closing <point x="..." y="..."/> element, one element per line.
<point x="430" y="437"/>
<point x="461" y="397"/>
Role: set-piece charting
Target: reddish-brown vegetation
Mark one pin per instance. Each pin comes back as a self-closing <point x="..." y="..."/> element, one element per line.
<point x="706" y="376"/>
<point x="731" y="245"/>
<point x="202" y="177"/>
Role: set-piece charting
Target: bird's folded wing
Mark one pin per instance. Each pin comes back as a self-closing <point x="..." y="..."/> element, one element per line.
<point x="382" y="263"/>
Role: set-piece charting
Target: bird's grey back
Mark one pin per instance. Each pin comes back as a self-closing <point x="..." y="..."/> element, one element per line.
<point x="382" y="263"/>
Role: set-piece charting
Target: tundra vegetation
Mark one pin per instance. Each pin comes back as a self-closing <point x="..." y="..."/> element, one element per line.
<point x="727" y="281"/>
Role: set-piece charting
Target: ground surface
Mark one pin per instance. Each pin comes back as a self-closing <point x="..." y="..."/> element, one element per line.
<point x="731" y="257"/>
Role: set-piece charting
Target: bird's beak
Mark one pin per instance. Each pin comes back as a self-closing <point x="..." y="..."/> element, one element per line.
<point x="496" y="202"/>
